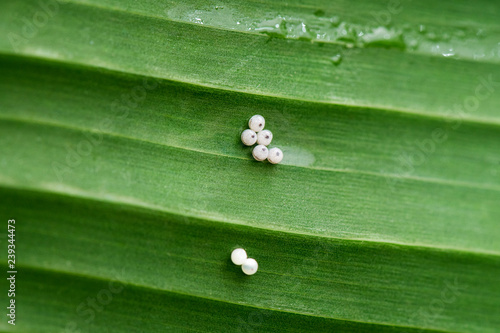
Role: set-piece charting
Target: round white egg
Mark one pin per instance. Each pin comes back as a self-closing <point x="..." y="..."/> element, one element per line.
<point x="257" y="123"/>
<point x="248" y="137"/>
<point x="275" y="155"/>
<point x="238" y="256"/>
<point x="264" y="137"/>
<point x="260" y="152"/>
<point x="250" y="266"/>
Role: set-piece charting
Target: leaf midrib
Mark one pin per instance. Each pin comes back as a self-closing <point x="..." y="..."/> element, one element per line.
<point x="82" y="195"/>
<point x="483" y="121"/>
<point x="461" y="184"/>
<point x="176" y="292"/>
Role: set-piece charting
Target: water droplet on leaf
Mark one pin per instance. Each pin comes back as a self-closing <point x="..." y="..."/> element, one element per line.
<point x="319" y="13"/>
<point x="336" y="59"/>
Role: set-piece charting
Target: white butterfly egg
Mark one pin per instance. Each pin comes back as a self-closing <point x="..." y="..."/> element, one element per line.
<point x="260" y="152"/>
<point x="250" y="266"/>
<point x="257" y="123"/>
<point x="275" y="155"/>
<point x="264" y="137"/>
<point x="238" y="256"/>
<point x="248" y="137"/>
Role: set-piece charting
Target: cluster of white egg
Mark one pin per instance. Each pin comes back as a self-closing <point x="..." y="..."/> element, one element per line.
<point x="249" y="266"/>
<point x="263" y="137"/>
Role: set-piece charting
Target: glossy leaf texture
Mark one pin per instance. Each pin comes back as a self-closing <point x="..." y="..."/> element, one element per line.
<point x="121" y="161"/>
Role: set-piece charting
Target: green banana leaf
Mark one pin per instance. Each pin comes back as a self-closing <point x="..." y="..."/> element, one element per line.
<point x="122" y="165"/>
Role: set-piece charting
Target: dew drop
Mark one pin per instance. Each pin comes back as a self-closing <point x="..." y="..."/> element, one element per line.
<point x="382" y="36"/>
<point x="319" y="13"/>
<point x="448" y="53"/>
<point x="336" y="59"/>
<point x="335" y="21"/>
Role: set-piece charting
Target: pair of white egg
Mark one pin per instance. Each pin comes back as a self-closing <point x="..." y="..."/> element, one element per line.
<point x="249" y="266"/>
<point x="257" y="134"/>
